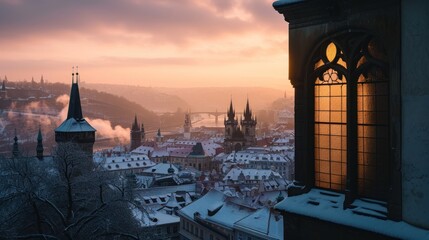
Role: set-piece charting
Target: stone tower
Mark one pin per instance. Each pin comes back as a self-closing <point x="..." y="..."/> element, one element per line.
<point x="39" y="148"/>
<point x="135" y="135"/>
<point x="234" y="138"/>
<point x="159" y="137"/>
<point x="75" y="128"/>
<point x="248" y="126"/>
<point x="15" y="149"/>
<point x="187" y="126"/>
<point x="231" y="124"/>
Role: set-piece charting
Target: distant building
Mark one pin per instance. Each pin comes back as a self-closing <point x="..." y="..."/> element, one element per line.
<point x="39" y="147"/>
<point x="137" y="135"/>
<point x="239" y="175"/>
<point x="3" y="92"/>
<point x="187" y="126"/>
<point x="127" y="164"/>
<point x="159" y="136"/>
<point x="239" y="137"/>
<point x="260" y="159"/>
<point x="75" y="128"/>
<point x="217" y="216"/>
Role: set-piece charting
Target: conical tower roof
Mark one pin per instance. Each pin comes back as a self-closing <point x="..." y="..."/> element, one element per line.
<point x="39" y="148"/>
<point x="75" y="121"/>
<point x="135" y="126"/>
<point x="75" y="108"/>
<point x="247" y="112"/>
<point x="15" y="150"/>
<point x="231" y="112"/>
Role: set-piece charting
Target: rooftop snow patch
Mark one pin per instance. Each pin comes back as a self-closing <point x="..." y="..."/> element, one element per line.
<point x="73" y="125"/>
<point x="229" y="214"/>
<point x="210" y="202"/>
<point x="263" y="222"/>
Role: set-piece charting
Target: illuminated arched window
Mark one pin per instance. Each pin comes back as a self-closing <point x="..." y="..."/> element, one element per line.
<point x="330" y="93"/>
<point x="372" y="122"/>
<point x="351" y="116"/>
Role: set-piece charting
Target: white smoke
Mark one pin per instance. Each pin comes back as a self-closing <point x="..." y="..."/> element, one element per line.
<point x="104" y="127"/>
<point x="64" y="100"/>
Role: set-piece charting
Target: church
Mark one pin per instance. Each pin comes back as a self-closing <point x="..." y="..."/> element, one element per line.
<point x="240" y="137"/>
<point x="137" y="134"/>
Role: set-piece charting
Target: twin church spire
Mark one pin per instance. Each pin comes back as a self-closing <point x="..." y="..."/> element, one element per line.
<point x="240" y="136"/>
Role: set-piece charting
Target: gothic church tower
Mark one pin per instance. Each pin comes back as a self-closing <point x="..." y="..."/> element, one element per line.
<point x="248" y="126"/>
<point x="136" y="135"/>
<point x="75" y="128"/>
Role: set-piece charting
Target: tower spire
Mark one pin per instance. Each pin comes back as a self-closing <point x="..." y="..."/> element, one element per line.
<point x="75" y="108"/>
<point x="39" y="148"/>
<point x="77" y="74"/>
<point x="135" y="125"/>
<point x="15" y="150"/>
<point x="231" y="112"/>
<point x="247" y="112"/>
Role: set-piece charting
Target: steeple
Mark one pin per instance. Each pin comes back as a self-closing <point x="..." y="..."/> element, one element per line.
<point x="135" y="126"/>
<point x="39" y="148"/>
<point x="247" y="112"/>
<point x="15" y="150"/>
<point x="3" y="85"/>
<point x="135" y="135"/>
<point x="75" y="109"/>
<point x="75" y="128"/>
<point x="159" y="137"/>
<point x="231" y="112"/>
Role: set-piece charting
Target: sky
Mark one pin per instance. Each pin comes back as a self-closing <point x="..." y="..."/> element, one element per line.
<point x="151" y="43"/>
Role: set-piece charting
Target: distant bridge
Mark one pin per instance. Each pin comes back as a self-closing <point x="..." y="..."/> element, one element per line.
<point x="216" y="114"/>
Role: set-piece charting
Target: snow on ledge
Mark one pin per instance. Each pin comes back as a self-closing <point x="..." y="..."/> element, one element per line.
<point x="327" y="206"/>
<point x="279" y="3"/>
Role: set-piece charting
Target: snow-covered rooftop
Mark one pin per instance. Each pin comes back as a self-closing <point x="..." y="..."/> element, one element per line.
<point x="72" y="125"/>
<point x="150" y="217"/>
<point x="262" y="223"/>
<point x="127" y="162"/>
<point x="212" y="201"/>
<point x="229" y="214"/>
<point x="244" y="157"/>
<point x="161" y="168"/>
<point x="236" y="174"/>
<point x="160" y="153"/>
<point x="142" y="150"/>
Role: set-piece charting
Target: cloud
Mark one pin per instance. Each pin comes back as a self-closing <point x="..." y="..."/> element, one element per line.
<point x="142" y="40"/>
<point x="161" y="21"/>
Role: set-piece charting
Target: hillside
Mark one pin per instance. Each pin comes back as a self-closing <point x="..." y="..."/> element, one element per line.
<point x="196" y="99"/>
<point x="29" y="106"/>
<point x="149" y="98"/>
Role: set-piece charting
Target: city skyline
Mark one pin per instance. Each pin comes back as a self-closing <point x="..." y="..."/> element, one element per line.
<point x="147" y="43"/>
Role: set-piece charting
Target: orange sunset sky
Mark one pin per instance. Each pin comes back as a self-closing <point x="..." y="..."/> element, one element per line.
<point x="158" y="43"/>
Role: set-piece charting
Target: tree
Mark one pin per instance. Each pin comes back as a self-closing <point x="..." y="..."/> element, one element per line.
<point x="64" y="197"/>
